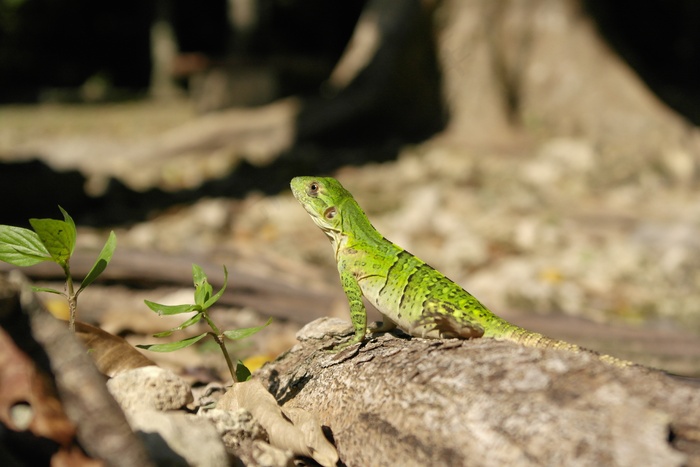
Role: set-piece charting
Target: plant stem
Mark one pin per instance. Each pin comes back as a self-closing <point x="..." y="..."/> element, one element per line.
<point x="72" y="299"/>
<point x="211" y="323"/>
<point x="219" y="338"/>
<point x="229" y="362"/>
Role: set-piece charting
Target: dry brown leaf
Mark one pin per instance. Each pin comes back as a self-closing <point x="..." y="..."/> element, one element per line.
<point x="287" y="428"/>
<point x="112" y="354"/>
<point x="21" y="385"/>
<point x="28" y="404"/>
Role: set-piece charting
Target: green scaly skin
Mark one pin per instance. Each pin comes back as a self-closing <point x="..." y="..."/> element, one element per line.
<point x="408" y="292"/>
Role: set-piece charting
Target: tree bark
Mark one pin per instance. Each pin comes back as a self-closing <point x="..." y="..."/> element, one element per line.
<point x="407" y="401"/>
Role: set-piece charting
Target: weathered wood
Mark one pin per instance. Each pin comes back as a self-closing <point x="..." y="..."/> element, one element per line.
<point x="401" y="401"/>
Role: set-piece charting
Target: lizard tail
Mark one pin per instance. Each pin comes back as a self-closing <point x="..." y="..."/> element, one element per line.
<point x="532" y="339"/>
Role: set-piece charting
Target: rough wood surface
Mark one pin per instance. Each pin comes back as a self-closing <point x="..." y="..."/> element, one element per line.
<point x="401" y="401"/>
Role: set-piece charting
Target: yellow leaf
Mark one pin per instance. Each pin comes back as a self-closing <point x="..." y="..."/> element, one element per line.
<point x="257" y="361"/>
<point x="58" y="307"/>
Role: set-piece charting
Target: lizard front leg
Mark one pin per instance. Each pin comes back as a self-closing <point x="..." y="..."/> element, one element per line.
<point x="358" y="313"/>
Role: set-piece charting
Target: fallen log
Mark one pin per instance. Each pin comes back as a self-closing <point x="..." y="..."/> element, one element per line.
<point x="405" y="401"/>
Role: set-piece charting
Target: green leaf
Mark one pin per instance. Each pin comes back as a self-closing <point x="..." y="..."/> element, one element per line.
<point x="244" y="332"/>
<point x="202" y="288"/>
<point x="198" y="275"/>
<point x="57" y="236"/>
<point x="71" y="224"/>
<point x="21" y="247"/>
<point x="172" y="346"/>
<point x="103" y="260"/>
<point x="171" y="309"/>
<point x="202" y="293"/>
<point x="46" y="289"/>
<point x="218" y="295"/>
<point x="193" y="320"/>
<point x="242" y="372"/>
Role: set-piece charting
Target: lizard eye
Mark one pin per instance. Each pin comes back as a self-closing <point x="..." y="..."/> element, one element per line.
<point x="330" y="213"/>
<point x="313" y="188"/>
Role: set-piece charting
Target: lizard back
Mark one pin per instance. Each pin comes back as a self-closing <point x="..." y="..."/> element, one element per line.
<point x="418" y="298"/>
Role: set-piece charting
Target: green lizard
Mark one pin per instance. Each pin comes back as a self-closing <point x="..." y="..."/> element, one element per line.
<point x="407" y="292"/>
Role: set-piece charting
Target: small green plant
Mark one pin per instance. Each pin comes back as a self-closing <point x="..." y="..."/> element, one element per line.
<point x="52" y="240"/>
<point x="203" y="300"/>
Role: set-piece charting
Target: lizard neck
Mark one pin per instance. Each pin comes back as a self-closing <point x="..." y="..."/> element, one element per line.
<point x="356" y="227"/>
<point x="356" y="232"/>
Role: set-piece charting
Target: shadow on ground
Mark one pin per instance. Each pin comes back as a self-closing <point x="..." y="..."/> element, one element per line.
<point x="33" y="189"/>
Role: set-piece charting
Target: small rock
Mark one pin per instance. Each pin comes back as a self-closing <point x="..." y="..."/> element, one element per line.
<point x="209" y="395"/>
<point x="149" y="387"/>
<point x="179" y="439"/>
<point x="560" y="159"/>
<point x="234" y="427"/>
<point x="680" y="164"/>
<point x="323" y="327"/>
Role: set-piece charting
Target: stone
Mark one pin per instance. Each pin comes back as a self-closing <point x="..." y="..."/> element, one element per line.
<point x="149" y="387"/>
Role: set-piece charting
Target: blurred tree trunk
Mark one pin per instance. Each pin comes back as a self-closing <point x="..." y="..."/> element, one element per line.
<point x="541" y="66"/>
<point x="503" y="67"/>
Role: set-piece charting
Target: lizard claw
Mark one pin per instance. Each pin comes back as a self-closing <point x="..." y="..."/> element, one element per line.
<point x="338" y="348"/>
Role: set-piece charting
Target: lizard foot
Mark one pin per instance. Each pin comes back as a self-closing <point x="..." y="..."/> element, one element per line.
<point x="342" y="346"/>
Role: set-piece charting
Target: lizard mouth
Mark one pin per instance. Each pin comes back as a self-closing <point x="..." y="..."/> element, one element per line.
<point x="321" y="223"/>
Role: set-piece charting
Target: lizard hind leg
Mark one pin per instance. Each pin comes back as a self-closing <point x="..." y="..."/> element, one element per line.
<point x="439" y="320"/>
<point x="386" y="325"/>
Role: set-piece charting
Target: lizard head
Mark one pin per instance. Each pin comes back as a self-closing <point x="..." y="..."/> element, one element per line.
<point x="334" y="210"/>
<point x="321" y="197"/>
